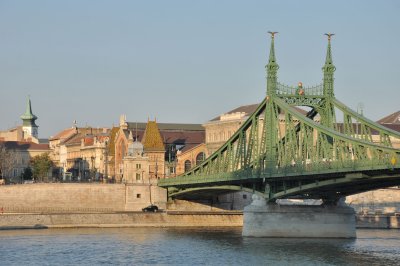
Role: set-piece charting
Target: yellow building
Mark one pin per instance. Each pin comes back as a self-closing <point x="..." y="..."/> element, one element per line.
<point x="20" y="154"/>
<point x="80" y="153"/>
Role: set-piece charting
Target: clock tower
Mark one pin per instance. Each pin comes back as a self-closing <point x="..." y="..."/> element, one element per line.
<point x="28" y="121"/>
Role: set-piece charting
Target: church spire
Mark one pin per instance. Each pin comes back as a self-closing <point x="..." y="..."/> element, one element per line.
<point x="28" y="120"/>
<point x="272" y="67"/>
<point x="28" y="115"/>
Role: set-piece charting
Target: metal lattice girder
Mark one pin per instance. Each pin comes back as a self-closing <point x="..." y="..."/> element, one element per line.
<point x="366" y="126"/>
<point x="280" y="152"/>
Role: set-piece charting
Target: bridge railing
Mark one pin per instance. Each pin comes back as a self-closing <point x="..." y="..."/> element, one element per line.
<point x="282" y="89"/>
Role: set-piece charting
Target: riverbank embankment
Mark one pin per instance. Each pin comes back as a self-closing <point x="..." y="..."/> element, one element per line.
<point x="160" y="219"/>
<point x="122" y="219"/>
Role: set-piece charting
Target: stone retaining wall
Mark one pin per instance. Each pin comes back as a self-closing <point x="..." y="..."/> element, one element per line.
<point x="376" y="201"/>
<point x="128" y="219"/>
<point x="165" y="219"/>
<point x="378" y="221"/>
<point x="79" y="197"/>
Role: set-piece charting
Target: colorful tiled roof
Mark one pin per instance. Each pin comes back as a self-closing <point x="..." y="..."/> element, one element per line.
<point x="152" y="140"/>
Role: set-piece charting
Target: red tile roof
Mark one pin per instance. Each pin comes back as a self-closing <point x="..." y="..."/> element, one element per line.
<point x="66" y="133"/>
<point x="391" y="119"/>
<point x="24" y="145"/>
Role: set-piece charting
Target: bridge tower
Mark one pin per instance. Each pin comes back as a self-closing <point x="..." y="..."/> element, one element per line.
<point x="327" y="110"/>
<point x="271" y="122"/>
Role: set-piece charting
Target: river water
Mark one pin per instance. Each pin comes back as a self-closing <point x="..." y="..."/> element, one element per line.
<point x="171" y="246"/>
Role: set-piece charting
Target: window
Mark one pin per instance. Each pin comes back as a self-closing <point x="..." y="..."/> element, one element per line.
<point x="172" y="170"/>
<point x="188" y="165"/>
<point x="138" y="196"/>
<point x="138" y="166"/>
<point x="200" y="158"/>
<point x="244" y="196"/>
<point x="138" y="176"/>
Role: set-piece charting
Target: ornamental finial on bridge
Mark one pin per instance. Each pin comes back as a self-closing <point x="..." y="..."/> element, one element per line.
<point x="329" y="35"/>
<point x="272" y="33"/>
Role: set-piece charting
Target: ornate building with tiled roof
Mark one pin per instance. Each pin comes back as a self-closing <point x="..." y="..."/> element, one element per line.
<point x="164" y="145"/>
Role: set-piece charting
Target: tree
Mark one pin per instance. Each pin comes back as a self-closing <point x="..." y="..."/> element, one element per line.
<point x="8" y="160"/>
<point x="41" y="164"/>
<point x="27" y="174"/>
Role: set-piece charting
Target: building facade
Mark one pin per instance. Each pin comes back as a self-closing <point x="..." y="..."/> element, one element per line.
<point x="164" y="146"/>
<point x="19" y="155"/>
<point x="80" y="154"/>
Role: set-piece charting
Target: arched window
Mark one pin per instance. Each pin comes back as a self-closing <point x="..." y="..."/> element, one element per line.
<point x="188" y="165"/>
<point x="200" y="158"/>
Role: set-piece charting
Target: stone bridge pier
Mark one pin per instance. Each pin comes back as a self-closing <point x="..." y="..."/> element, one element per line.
<point x="262" y="219"/>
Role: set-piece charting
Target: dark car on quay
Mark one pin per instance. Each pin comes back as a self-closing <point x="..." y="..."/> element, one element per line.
<point x="150" y="208"/>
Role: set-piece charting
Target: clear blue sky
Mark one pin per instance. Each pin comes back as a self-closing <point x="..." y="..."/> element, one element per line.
<point x="186" y="61"/>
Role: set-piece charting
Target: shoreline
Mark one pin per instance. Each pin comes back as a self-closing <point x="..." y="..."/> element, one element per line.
<point x="164" y="219"/>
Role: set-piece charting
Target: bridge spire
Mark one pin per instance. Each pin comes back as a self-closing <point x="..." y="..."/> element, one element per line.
<point x="272" y="67"/>
<point x="270" y="121"/>
<point x="328" y="69"/>
<point x="328" y="113"/>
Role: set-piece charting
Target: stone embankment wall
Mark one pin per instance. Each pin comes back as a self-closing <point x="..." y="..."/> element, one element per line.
<point x="128" y="219"/>
<point x="378" y="221"/>
<point x="376" y="202"/>
<point x="79" y="197"/>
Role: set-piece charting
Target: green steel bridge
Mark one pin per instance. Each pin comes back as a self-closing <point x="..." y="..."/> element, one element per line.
<point x="280" y="152"/>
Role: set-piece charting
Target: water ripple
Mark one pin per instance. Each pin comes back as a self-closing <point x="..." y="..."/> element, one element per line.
<point x="168" y="246"/>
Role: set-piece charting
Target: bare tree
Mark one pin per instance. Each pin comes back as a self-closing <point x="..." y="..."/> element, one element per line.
<point x="8" y="161"/>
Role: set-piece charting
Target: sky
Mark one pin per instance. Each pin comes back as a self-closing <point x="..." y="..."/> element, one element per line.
<point x="187" y="61"/>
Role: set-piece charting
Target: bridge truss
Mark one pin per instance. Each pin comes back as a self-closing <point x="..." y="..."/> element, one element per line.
<point x="283" y="152"/>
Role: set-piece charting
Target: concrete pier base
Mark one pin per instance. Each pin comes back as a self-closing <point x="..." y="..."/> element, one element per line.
<point x="273" y="220"/>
